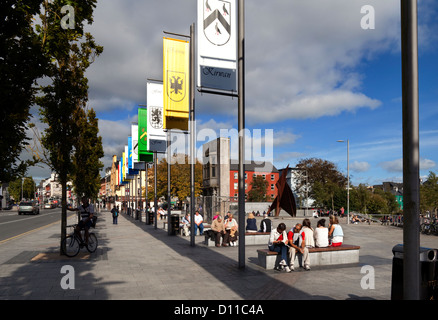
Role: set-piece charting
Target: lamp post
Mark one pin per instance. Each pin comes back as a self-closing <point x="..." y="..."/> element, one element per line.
<point x="348" y="179"/>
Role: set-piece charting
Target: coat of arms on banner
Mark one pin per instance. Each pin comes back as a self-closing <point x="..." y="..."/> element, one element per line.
<point x="176" y="85"/>
<point x="156" y="117"/>
<point x="143" y="137"/>
<point x="217" y="21"/>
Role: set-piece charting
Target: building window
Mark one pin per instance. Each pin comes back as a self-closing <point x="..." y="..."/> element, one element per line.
<point x="272" y="196"/>
<point x="235" y="186"/>
<point x="235" y="175"/>
<point x="272" y="177"/>
<point x="272" y="186"/>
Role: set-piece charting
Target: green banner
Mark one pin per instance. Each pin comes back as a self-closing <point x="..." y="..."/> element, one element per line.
<point x="143" y="154"/>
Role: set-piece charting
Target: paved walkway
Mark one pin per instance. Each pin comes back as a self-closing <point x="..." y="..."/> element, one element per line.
<point x="135" y="261"/>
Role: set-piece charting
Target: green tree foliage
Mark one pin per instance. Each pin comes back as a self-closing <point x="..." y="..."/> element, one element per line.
<point x="258" y="189"/>
<point x="86" y="158"/>
<point x="28" y="186"/>
<point x="429" y="194"/>
<point x="377" y="204"/>
<point x="324" y="180"/>
<point x="70" y="51"/>
<point x="180" y="178"/>
<point x="21" y="64"/>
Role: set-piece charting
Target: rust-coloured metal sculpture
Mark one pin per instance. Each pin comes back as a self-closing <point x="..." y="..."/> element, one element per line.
<point x="285" y="198"/>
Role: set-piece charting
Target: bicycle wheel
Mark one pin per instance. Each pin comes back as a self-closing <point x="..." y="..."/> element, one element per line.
<point x="92" y="243"/>
<point x="70" y="246"/>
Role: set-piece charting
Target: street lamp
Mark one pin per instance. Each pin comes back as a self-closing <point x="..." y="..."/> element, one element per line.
<point x="348" y="179"/>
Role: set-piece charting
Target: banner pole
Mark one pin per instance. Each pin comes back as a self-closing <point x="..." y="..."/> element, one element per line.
<point x="192" y="134"/>
<point x="155" y="190"/>
<point x="241" y="124"/>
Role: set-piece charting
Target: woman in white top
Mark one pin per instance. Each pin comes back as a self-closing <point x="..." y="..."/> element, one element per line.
<point x="321" y="234"/>
<point x="308" y="231"/>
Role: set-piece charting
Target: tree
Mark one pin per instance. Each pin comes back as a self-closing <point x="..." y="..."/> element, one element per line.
<point x="180" y="178"/>
<point x="86" y="158"/>
<point x="258" y="189"/>
<point x="377" y="204"/>
<point x="429" y="193"/>
<point x="21" y="64"/>
<point x="391" y="203"/>
<point x="70" y="51"/>
<point x="359" y="198"/>
<point x="324" y="180"/>
<point x="25" y="186"/>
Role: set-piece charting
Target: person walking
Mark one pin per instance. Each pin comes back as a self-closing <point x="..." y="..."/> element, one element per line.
<point x="115" y="212"/>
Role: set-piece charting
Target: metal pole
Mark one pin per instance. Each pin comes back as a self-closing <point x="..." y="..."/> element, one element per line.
<point x="140" y="207"/>
<point x="192" y="134"/>
<point x="146" y="195"/>
<point x="348" y="181"/>
<point x="135" y="196"/>
<point x="168" y="183"/>
<point x="155" y="190"/>
<point x="241" y="125"/>
<point x="411" y="184"/>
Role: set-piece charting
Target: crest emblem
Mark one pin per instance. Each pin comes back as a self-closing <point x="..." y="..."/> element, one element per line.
<point x="156" y="117"/>
<point x="143" y="137"/>
<point x="176" y="85"/>
<point x="217" y="21"/>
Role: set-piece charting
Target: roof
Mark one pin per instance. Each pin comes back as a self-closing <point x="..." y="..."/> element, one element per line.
<point x="255" y="167"/>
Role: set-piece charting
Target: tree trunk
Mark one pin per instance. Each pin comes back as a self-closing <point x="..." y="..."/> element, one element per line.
<point x="63" y="213"/>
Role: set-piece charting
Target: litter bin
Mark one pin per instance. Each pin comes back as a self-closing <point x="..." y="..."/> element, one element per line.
<point x="428" y="273"/>
<point x="174" y="224"/>
<point x="150" y="217"/>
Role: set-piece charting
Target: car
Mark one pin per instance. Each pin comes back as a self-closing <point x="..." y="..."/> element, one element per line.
<point x="48" y="205"/>
<point x="28" y="207"/>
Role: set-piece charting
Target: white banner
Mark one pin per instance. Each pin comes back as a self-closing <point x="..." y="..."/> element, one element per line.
<point x="217" y="44"/>
<point x="156" y="137"/>
<point x="134" y="135"/>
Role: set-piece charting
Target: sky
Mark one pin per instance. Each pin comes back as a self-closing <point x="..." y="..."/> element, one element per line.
<point x="313" y="76"/>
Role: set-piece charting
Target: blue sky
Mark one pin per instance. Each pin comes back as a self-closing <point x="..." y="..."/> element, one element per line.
<point x="313" y="75"/>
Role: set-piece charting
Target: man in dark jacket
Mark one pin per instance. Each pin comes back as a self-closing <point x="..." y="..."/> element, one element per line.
<point x="265" y="224"/>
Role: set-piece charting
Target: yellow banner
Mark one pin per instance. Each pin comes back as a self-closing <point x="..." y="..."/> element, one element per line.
<point x="176" y="54"/>
<point x="123" y="166"/>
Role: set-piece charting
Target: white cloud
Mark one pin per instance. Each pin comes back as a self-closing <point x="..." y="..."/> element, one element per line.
<point x="360" y="166"/>
<point x="397" y="165"/>
<point x="426" y="164"/>
<point x="315" y="106"/>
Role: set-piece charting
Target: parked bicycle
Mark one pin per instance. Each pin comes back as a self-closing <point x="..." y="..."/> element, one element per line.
<point x="429" y="227"/>
<point x="74" y="242"/>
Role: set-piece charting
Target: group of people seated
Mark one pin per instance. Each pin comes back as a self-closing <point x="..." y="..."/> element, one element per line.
<point x="302" y="237"/>
<point x="199" y="224"/>
<point x="225" y="229"/>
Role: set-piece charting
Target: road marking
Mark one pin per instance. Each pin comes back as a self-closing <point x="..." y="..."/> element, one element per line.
<point x="36" y="216"/>
<point x="29" y="232"/>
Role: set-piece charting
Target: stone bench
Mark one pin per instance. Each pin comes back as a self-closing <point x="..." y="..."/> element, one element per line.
<point x="251" y="239"/>
<point x="344" y="254"/>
